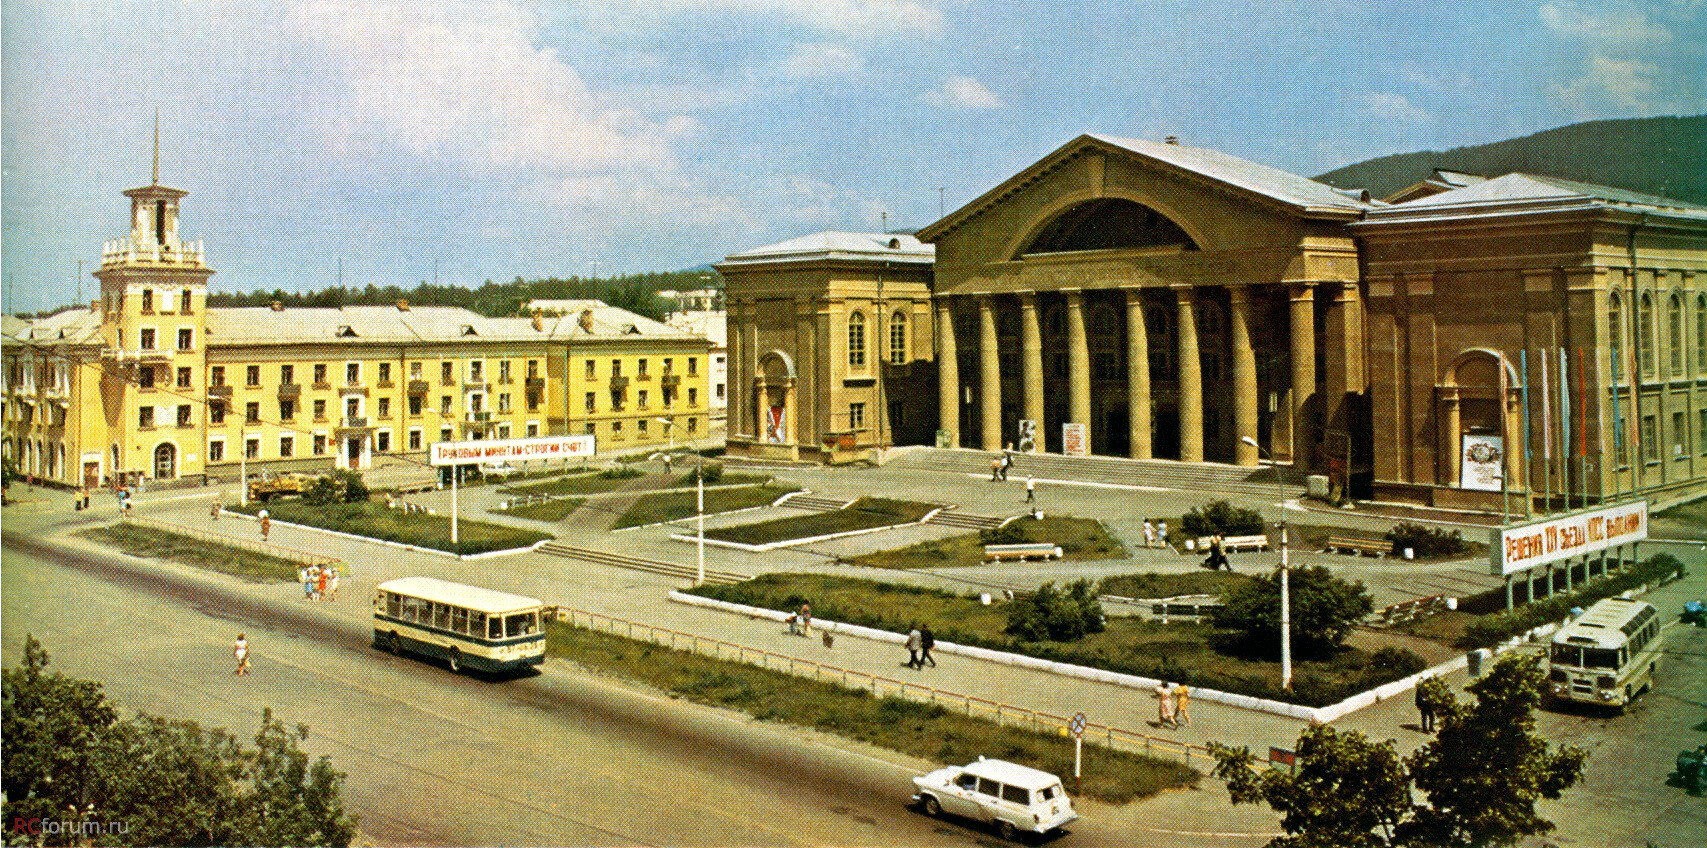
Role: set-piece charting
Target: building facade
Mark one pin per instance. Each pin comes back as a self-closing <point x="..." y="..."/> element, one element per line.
<point x="713" y="324"/>
<point x="1154" y="300"/>
<point x="150" y="383"/>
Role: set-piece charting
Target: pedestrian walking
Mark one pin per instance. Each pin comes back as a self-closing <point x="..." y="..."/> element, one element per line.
<point x="266" y="526"/>
<point x="1162" y="531"/>
<point x="806" y="619"/>
<point x="1149" y="534"/>
<point x="86" y="497"/>
<point x="332" y="585"/>
<point x="214" y="512"/>
<point x="321" y="582"/>
<point x="794" y="624"/>
<point x="1164" y="705"/>
<point x="307" y="581"/>
<point x="1182" y="705"/>
<point x="1007" y="461"/>
<point x="1031" y="490"/>
<point x="915" y="643"/>
<point x="240" y="650"/>
<point x="1431" y="697"/>
<point x="666" y="463"/>
<point x="1217" y="557"/>
<point x="927" y="641"/>
<point x="311" y="586"/>
<point x="996" y="470"/>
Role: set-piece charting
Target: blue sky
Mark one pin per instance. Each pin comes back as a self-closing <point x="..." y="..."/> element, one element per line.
<point x="500" y="137"/>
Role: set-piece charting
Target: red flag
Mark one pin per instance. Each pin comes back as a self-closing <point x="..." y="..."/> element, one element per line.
<point x="1582" y="406"/>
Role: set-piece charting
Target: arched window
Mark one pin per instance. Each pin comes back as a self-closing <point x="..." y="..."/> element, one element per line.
<point x="1701" y="333"/>
<point x="856" y="340"/>
<point x="898" y="337"/>
<point x="1674" y="331"/>
<point x="1107" y="224"/>
<point x="1645" y="334"/>
<point x="1615" y="335"/>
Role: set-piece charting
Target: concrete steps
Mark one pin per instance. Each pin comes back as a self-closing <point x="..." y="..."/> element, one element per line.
<point x="634" y="563"/>
<point x="1163" y="474"/>
<point x="968" y="522"/>
<point x="818" y="504"/>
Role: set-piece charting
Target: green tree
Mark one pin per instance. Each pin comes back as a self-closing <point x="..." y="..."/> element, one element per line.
<point x="52" y="725"/>
<point x="1324" y="610"/>
<point x="1487" y="767"/>
<point x="1346" y="790"/>
<point x="1221" y="517"/>
<point x="1061" y="615"/>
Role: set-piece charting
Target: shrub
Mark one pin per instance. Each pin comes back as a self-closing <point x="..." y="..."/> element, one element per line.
<point x="1490" y="629"/>
<point x="322" y="492"/>
<point x="1426" y="541"/>
<point x="621" y="472"/>
<point x="713" y="472"/>
<point x="1060" y="615"/>
<point x="1008" y="534"/>
<point x="1221" y="517"/>
<point x="1324" y="609"/>
<point x="341" y="485"/>
<point x="1395" y="662"/>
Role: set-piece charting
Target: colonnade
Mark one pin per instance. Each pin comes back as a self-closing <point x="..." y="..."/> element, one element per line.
<point x="1190" y="401"/>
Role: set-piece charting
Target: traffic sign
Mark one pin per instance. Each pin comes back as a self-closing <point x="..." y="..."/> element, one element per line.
<point x="1077" y="725"/>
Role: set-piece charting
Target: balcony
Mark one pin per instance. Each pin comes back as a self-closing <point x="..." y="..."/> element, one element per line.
<point x="670" y="381"/>
<point x="143" y="355"/>
<point x="618" y="383"/>
<point x="387" y="384"/>
<point x="536" y="384"/>
<point x="353" y="389"/>
<point x="476" y="386"/>
<point x="219" y="392"/>
<point x="354" y="424"/>
<point x="418" y="387"/>
<point x="290" y="390"/>
<point x="322" y="385"/>
<point x="643" y="377"/>
<point x="480" y="417"/>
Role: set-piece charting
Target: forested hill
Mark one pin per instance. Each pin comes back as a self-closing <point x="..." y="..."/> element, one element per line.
<point x="1663" y="156"/>
<point x="634" y="292"/>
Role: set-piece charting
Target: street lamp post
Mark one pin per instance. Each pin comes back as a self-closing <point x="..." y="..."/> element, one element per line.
<point x="1285" y="576"/>
<point x="243" y="467"/>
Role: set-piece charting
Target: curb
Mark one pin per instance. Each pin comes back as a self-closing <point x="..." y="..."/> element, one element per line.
<point x="399" y="545"/>
<point x="788" y="543"/>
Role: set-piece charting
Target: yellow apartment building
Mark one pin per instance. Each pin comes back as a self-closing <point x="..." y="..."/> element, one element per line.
<point x="150" y="383"/>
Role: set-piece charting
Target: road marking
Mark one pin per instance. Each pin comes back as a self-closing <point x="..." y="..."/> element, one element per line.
<point x="1086" y="483"/>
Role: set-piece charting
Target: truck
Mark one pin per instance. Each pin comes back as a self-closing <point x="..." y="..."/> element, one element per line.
<point x="269" y="485"/>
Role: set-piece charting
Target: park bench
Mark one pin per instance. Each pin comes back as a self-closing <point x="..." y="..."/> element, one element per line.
<point x="1022" y="551"/>
<point x="1406" y="611"/>
<point x="1360" y="545"/>
<point x="1231" y="544"/>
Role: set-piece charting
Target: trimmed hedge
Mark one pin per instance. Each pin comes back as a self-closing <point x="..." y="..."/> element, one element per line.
<point x="1496" y="627"/>
<point x="373" y="520"/>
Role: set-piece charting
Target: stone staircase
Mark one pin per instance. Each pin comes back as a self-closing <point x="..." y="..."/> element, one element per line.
<point x="1163" y="474"/>
<point x="964" y="521"/>
<point x="817" y="504"/>
<point x="633" y="563"/>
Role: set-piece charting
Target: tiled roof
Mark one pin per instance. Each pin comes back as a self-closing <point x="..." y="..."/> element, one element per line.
<point x="262" y="325"/>
<point x="1261" y="179"/>
<point x="1531" y="193"/>
<point x="77" y="325"/>
<point x="832" y="244"/>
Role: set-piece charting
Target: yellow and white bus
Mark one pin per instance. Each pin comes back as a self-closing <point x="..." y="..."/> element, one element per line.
<point x="1606" y="656"/>
<point x="466" y="626"/>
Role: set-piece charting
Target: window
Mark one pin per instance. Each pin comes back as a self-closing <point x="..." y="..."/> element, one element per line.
<point x="693" y="425"/>
<point x="382" y="441"/>
<point x="217" y="375"/>
<point x="1679" y="448"/>
<point x="147" y="338"/>
<point x="503" y="370"/>
<point x="720" y="390"/>
<point x="1674" y="333"/>
<point x="1015" y="794"/>
<point x="533" y="368"/>
<point x="533" y="429"/>
<point x="385" y="407"/>
<point x="1701" y="433"/>
<point x="215" y="451"/>
<point x="1650" y="439"/>
<point x="503" y="401"/>
<point x="352" y="408"/>
<point x="320" y="410"/>
<point x="147" y="301"/>
<point x="693" y="397"/>
<point x="898" y="337"/>
<point x="252" y="412"/>
<point x="414" y="370"/>
<point x="616" y="368"/>
<point x="616" y="429"/>
<point x="216" y="413"/>
<point x="642" y="399"/>
<point x="856" y="416"/>
<point x="320" y="374"/>
<point x="1701" y="333"/>
<point x="642" y="427"/>
<point x="1645" y="335"/>
<point x="503" y="431"/>
<point x="669" y="366"/>
<point x="415" y="439"/>
<point x="287" y="446"/>
<point x="184" y="302"/>
<point x="414" y="406"/>
<point x="1615" y="333"/>
<point x="145" y="418"/>
<point x="186" y="338"/>
<point x="444" y="404"/>
<point x="693" y="366"/>
<point x="856" y="340"/>
<point x="287" y="410"/>
<point x="287" y="374"/>
<point x="145" y="378"/>
<point x="592" y="428"/>
<point x="319" y="444"/>
<point x="477" y="371"/>
<point x="252" y="448"/>
<point x="592" y="401"/>
<point x="641" y="368"/>
<point x="444" y="434"/>
<point x="184" y="415"/>
<point x="183" y="378"/>
<point x="252" y="376"/>
<point x="385" y="372"/>
<point x="591" y="372"/>
<point x="447" y="373"/>
<point x="353" y="373"/>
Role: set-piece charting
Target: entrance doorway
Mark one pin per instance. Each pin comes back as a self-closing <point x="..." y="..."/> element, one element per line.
<point x="166" y="461"/>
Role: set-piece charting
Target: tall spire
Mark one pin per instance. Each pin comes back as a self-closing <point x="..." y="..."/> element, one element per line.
<point x="156" y="146"/>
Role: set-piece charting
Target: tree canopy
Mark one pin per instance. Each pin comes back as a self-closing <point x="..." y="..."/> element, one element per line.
<point x="70" y="760"/>
<point x="1324" y="609"/>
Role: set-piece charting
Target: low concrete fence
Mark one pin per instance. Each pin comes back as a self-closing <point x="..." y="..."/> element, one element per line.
<point x="268" y="548"/>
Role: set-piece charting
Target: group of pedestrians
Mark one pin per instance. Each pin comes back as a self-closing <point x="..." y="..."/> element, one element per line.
<point x="319" y="582"/>
<point x="1001" y="465"/>
<point x="1173" y="705"/>
<point x="1217" y="559"/>
<point x="920" y="641"/>
<point x="1155" y="532"/>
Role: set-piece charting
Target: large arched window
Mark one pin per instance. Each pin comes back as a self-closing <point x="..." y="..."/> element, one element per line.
<point x="1701" y="333"/>
<point x="856" y="340"/>
<point x="1108" y="223"/>
<point x="1615" y="335"/>
<point x="1674" y="333"/>
<point x="898" y="338"/>
<point x="1645" y="334"/>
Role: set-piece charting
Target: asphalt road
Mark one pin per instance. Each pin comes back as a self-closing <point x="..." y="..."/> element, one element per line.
<point x="439" y="759"/>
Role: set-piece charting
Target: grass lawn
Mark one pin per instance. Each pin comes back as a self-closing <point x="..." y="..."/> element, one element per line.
<point x="1179" y="650"/>
<point x="683" y="503"/>
<point x="553" y="510"/>
<point x="929" y="731"/>
<point x="580" y="482"/>
<point x="226" y="559"/>
<point x="373" y="520"/>
<point x="863" y="514"/>
<point x="1079" y="538"/>
<point x="1170" y="585"/>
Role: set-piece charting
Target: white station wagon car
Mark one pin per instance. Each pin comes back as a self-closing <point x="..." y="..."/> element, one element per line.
<point x="1012" y="797"/>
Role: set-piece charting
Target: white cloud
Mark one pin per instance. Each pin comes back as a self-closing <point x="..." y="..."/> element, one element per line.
<point x="810" y="61"/>
<point x="465" y="82"/>
<point x="963" y="92"/>
<point x="1616" y="88"/>
<point x="1620" y="24"/>
<point x="861" y="18"/>
<point x="1396" y="107"/>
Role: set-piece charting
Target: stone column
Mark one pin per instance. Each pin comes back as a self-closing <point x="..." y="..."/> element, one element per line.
<point x="791" y="412"/>
<point x="1303" y="355"/>
<point x="1453" y="427"/>
<point x="737" y="371"/>
<point x="808" y="389"/>
<point x="1244" y="377"/>
<point x="1137" y="375"/>
<point x="989" y="376"/>
<point x="1190" y="379"/>
<point x="761" y="409"/>
<point x="948" y="371"/>
<point x="1031" y="369"/>
<point x="1078" y="365"/>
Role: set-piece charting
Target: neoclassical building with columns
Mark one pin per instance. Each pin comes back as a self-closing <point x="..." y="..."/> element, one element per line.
<point x="1155" y="300"/>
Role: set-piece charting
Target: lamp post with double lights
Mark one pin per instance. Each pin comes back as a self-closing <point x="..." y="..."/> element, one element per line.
<point x="1285" y="575"/>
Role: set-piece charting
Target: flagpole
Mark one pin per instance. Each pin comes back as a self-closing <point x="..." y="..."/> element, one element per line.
<point x="1565" y="423"/>
<point x="1546" y="435"/>
<point x="1528" y="458"/>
